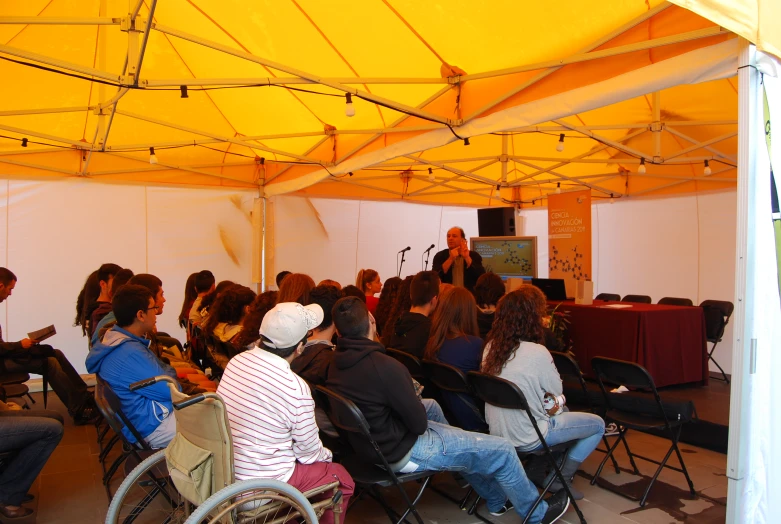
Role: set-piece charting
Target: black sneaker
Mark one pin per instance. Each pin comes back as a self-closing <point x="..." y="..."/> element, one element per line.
<point x="557" y="507"/>
<point x="87" y="415"/>
<point x="504" y="509"/>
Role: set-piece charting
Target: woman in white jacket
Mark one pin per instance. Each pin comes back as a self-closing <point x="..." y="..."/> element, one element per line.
<point x="515" y="352"/>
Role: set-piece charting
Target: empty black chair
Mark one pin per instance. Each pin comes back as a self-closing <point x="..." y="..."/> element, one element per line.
<point x="637" y="299"/>
<point x="505" y="394"/>
<point x="368" y="477"/>
<point x="675" y="301"/>
<point x="592" y="400"/>
<point x="642" y="410"/>
<point x="717" y="315"/>
<point x="608" y="296"/>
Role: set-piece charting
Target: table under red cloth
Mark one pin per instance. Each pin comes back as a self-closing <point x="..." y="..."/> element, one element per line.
<point x="669" y="341"/>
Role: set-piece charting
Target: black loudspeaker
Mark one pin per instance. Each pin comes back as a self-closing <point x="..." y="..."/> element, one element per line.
<point x="496" y="222"/>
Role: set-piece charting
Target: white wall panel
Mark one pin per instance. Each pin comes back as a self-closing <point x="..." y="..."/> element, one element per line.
<point x="194" y="229"/>
<point x="58" y="233"/>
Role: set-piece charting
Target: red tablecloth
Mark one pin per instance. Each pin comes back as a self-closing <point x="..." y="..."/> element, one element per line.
<point x="669" y="341"/>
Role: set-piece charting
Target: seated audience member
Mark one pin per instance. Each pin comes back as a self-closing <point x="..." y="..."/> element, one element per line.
<point x="329" y="282"/>
<point x="488" y="290"/>
<point x="106" y="274"/>
<point x="209" y="298"/>
<point x="152" y="283"/>
<point x="515" y="352"/>
<point x="280" y="277"/>
<point x="262" y="304"/>
<point x="123" y="357"/>
<point x="411" y="332"/>
<point x="204" y="285"/>
<point x="414" y="435"/>
<point x="400" y="306"/>
<point x="390" y="291"/>
<point x="190" y="294"/>
<point x="88" y="294"/>
<point x="454" y="341"/>
<point x="312" y="364"/>
<point x="32" y="441"/>
<point x="368" y="281"/>
<point x="120" y="279"/>
<point x="225" y="317"/>
<point x="354" y="291"/>
<point x="295" y="288"/>
<point x="271" y="411"/>
<point x="30" y="357"/>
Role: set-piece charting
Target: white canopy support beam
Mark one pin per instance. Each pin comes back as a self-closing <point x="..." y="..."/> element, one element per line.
<point x="672" y="131"/>
<point x="367" y="186"/>
<point x="679" y="182"/>
<point x="44" y="111"/>
<point x="604" y="140"/>
<point x="443" y="181"/>
<point x="33" y="151"/>
<point x="453" y="170"/>
<point x="570" y="179"/>
<point x="306" y="153"/>
<point x="45" y="136"/>
<point x="656" y="125"/>
<point x="37" y="166"/>
<point x="701" y="145"/>
<point x="61" y="64"/>
<point x="459" y="189"/>
<point x="287" y="80"/>
<point x="370" y="97"/>
<point x="59" y="20"/>
<point x="170" y="166"/>
<point x="615" y="160"/>
<point x="136" y="71"/>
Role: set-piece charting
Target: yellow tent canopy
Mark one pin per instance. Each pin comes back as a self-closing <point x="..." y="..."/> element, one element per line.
<point x="640" y="94"/>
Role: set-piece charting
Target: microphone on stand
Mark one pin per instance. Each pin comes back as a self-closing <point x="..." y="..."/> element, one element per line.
<point x="402" y="252"/>
<point x="427" y="253"/>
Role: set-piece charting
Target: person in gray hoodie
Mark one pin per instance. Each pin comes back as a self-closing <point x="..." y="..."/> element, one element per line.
<point x="123" y="357"/>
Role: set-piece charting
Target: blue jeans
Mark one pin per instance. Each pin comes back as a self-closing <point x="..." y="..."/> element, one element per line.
<point x="490" y="464"/>
<point x="585" y="428"/>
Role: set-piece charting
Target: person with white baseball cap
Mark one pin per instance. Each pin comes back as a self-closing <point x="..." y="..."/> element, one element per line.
<point x="271" y="411"/>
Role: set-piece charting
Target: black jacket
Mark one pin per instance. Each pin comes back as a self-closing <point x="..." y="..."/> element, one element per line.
<point x="410" y="334"/>
<point x="382" y="389"/>
<point x="312" y="364"/>
<point x="471" y="273"/>
<point x="485" y="322"/>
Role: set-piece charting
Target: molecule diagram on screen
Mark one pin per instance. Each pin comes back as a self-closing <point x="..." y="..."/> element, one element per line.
<point x="572" y="263"/>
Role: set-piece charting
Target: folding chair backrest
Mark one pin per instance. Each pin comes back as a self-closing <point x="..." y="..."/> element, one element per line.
<point x="111" y="408"/>
<point x="446" y="377"/>
<point x="608" y="296"/>
<point x="497" y="391"/>
<point x="205" y="424"/>
<point x="717" y="315"/>
<point x="675" y="301"/>
<point x="637" y="299"/>
<point x="411" y="362"/>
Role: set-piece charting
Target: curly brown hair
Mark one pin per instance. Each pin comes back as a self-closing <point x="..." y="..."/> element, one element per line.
<point x="455" y="316"/>
<point x="518" y="319"/>
<point x="402" y="304"/>
<point x="387" y="298"/>
<point x="295" y="288"/>
<point x="250" y="326"/>
<point x="228" y="307"/>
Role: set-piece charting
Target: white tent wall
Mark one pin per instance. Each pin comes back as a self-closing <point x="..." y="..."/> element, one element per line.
<point x="54" y="234"/>
<point x="681" y="246"/>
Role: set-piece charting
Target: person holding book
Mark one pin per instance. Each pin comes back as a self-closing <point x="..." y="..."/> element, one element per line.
<point x="30" y="357"/>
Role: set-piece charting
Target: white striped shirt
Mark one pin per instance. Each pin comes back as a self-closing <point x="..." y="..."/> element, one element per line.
<point x="271" y="415"/>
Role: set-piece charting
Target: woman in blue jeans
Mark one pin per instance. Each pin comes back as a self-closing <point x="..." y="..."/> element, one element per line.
<point x="515" y="352"/>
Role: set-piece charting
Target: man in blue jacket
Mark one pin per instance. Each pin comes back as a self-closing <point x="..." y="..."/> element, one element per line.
<point x="123" y="357"/>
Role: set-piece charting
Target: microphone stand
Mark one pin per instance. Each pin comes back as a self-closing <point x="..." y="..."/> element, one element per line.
<point x="428" y="254"/>
<point x="403" y="253"/>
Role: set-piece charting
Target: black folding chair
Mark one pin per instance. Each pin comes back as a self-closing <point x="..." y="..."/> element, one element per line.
<point x="641" y="417"/>
<point x="637" y="299"/>
<point x="675" y="301"/>
<point x="505" y="394"/>
<point x="110" y="407"/>
<point x="411" y="362"/>
<point x="569" y="370"/>
<point x="717" y="315"/>
<point x="368" y="477"/>
<point x="608" y="296"/>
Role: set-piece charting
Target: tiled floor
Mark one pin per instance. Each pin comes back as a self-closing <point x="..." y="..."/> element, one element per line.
<point x="69" y="489"/>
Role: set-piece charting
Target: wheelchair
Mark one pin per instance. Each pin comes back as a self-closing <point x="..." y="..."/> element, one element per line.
<point x="192" y="481"/>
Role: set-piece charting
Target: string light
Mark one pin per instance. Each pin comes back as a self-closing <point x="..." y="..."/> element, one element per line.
<point x="560" y="145"/>
<point x="641" y="169"/>
<point x="558" y="188"/>
<point x="152" y="156"/>
<point x="183" y="89"/>
<point x="24" y="142"/>
<point x="349" y="109"/>
<point x="431" y="177"/>
<point x="466" y="141"/>
<point x="612" y="200"/>
<point x="707" y="171"/>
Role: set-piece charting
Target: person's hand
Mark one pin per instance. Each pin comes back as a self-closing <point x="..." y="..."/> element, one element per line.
<point x="454" y="253"/>
<point x="27" y="343"/>
<point x="464" y="250"/>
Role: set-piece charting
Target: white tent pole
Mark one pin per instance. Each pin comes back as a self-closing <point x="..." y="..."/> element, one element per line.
<point x="743" y="342"/>
<point x="136" y="71"/>
<point x="62" y="64"/>
<point x="45" y="111"/>
<point x="292" y="71"/>
<point x="59" y="20"/>
<point x="504" y="159"/>
<point x="27" y="132"/>
<point x="656" y="126"/>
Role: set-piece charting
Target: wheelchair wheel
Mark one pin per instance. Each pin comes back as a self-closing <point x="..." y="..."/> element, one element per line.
<point x="280" y="503"/>
<point x="147" y="496"/>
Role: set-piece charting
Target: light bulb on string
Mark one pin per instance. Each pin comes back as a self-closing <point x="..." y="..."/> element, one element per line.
<point x="707" y="171"/>
<point x="560" y="145"/>
<point x="152" y="156"/>
<point x="349" y="109"/>
<point x="558" y="188"/>
<point x="641" y="168"/>
<point x="612" y="200"/>
<point x="431" y="177"/>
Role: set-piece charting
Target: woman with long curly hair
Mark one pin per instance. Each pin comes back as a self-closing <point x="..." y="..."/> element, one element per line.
<point x="454" y="341"/>
<point x="295" y="288"/>
<point x="401" y="305"/>
<point x="250" y="326"/>
<point x="390" y="290"/>
<point x="515" y="352"/>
